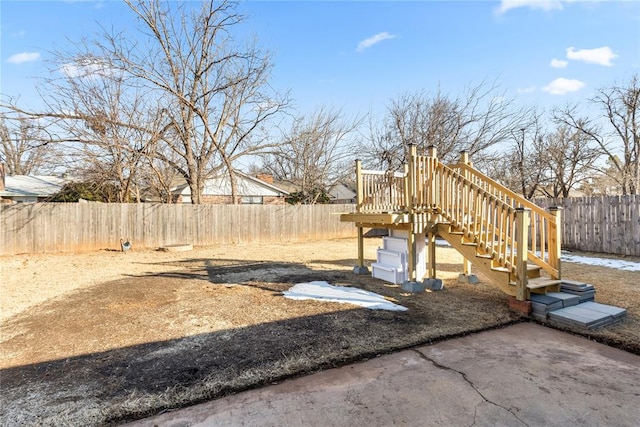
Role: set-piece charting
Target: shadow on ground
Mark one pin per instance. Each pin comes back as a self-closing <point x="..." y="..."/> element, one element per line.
<point x="134" y="347"/>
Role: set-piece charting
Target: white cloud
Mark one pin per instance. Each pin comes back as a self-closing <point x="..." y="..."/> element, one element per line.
<point x="561" y="86"/>
<point x="90" y="67"/>
<point x="601" y="55"/>
<point x="546" y="5"/>
<point x="23" y="57"/>
<point x="558" y="63"/>
<point x="529" y="89"/>
<point x="367" y="43"/>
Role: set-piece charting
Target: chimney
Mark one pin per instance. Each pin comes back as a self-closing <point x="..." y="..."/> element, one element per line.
<point x="2" y="175"/>
<point x="265" y="177"/>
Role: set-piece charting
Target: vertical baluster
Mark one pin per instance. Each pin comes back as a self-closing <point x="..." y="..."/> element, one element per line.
<point x="543" y="237"/>
<point x="511" y="242"/>
<point x="503" y="234"/>
<point x="534" y="233"/>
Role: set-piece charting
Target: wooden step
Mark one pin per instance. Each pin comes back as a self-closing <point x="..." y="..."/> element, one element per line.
<point x="542" y="285"/>
<point x="533" y="271"/>
<point x="542" y="282"/>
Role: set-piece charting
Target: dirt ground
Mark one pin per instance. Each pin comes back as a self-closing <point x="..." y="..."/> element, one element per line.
<point x="104" y="337"/>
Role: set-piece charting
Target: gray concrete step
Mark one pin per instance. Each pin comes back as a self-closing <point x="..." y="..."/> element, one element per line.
<point x="574" y="306"/>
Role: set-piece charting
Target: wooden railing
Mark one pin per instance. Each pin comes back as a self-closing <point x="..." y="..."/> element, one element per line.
<point x="544" y="232"/>
<point x="482" y="217"/>
<point x="382" y="191"/>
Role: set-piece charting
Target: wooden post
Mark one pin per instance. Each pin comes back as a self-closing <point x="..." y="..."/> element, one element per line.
<point x="360" y="248"/>
<point x="431" y="254"/>
<point x="522" y="241"/>
<point x="411" y="241"/>
<point x="466" y="207"/>
<point x="466" y="267"/>
<point x="555" y="240"/>
<point x="359" y="189"/>
<point x="360" y="268"/>
<point x="407" y="188"/>
<point x="466" y="202"/>
<point x="464" y="157"/>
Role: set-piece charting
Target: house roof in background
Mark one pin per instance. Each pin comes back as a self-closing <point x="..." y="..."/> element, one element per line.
<point x="247" y="186"/>
<point x="32" y="186"/>
<point x="341" y="192"/>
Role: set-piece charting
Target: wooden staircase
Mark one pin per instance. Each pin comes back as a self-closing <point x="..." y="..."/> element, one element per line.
<point x="503" y="277"/>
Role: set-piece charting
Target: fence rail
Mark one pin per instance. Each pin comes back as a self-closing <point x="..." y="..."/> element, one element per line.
<point x="76" y="227"/>
<point x="605" y="224"/>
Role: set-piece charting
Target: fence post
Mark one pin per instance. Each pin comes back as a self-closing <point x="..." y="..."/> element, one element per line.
<point x="522" y="241"/>
<point x="555" y="240"/>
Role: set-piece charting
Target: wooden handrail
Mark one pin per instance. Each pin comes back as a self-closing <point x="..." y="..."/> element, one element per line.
<point x="521" y="201"/>
<point x="544" y="227"/>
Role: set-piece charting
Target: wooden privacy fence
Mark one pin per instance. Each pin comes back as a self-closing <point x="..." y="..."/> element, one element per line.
<point x="71" y="227"/>
<point x="606" y="224"/>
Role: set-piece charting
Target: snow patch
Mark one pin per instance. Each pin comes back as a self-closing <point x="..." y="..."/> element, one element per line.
<point x="602" y="262"/>
<point x="323" y="291"/>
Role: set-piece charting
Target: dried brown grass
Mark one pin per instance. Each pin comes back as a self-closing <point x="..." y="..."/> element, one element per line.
<point x="180" y="328"/>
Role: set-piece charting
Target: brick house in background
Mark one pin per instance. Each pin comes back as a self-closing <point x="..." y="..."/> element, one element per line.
<point x="251" y="190"/>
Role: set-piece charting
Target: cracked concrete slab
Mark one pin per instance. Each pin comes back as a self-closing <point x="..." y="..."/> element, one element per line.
<point x="523" y="375"/>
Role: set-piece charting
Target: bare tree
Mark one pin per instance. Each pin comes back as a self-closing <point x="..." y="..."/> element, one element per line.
<point x="209" y="100"/>
<point x="314" y="154"/>
<point x="112" y="126"/>
<point x="26" y="147"/>
<point x="525" y="166"/>
<point x="217" y="98"/>
<point x="616" y="131"/>
<point x="571" y="159"/>
<point x="479" y="119"/>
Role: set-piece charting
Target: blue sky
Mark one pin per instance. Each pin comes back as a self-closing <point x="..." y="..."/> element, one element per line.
<point x="357" y="55"/>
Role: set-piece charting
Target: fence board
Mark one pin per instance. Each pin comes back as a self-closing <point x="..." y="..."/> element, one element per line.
<point x="76" y="227"/>
<point x="605" y="224"/>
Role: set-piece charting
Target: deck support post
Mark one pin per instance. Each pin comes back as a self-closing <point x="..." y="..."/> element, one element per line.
<point x="467" y="276"/>
<point x="411" y="241"/>
<point x="412" y="284"/>
<point x="555" y="240"/>
<point x="360" y="268"/>
<point x="522" y="241"/>
<point x="466" y="267"/>
<point x="431" y="254"/>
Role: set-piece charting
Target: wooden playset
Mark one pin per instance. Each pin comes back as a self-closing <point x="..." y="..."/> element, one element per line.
<point x="513" y="242"/>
